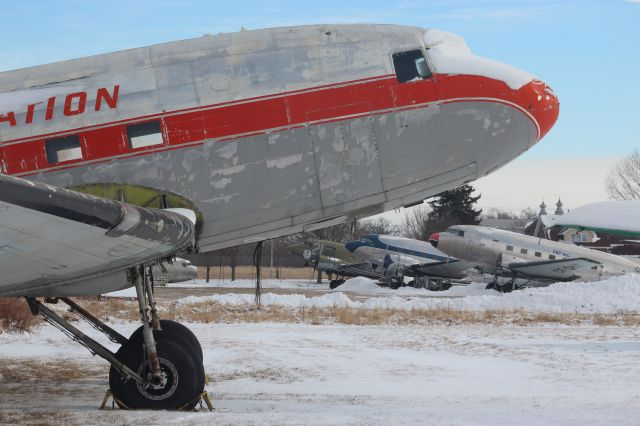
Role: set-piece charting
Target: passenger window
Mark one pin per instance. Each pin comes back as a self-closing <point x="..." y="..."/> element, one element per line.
<point x="144" y="134"/>
<point x="523" y="251"/>
<point x="552" y="257"/>
<point x="410" y="65"/>
<point x="461" y="233"/>
<point x="538" y="254"/>
<point x="63" y="149"/>
<point x="509" y="248"/>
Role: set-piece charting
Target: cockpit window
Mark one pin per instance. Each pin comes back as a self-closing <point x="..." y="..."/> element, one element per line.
<point x="410" y="65"/>
<point x="455" y="232"/>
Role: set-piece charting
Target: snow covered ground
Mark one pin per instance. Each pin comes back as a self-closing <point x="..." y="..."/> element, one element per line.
<point x="336" y="374"/>
<point x="300" y="373"/>
<point x="614" y="295"/>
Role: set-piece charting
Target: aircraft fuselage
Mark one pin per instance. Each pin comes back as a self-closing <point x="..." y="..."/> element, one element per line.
<point x="270" y="132"/>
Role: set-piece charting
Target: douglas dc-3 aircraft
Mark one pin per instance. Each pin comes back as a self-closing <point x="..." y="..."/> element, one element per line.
<point x="402" y="257"/>
<point x="502" y="252"/>
<point x="260" y="133"/>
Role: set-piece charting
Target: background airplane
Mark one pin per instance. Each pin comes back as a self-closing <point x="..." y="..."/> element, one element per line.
<point x="502" y="252"/>
<point x="402" y="257"/>
<point x="334" y="259"/>
<point x="177" y="271"/>
<point x="260" y="133"/>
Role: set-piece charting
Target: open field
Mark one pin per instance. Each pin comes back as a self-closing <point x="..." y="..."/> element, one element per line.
<point x="301" y="373"/>
<point x="567" y="354"/>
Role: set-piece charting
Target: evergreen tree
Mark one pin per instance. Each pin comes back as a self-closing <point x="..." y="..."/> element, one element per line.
<point x="455" y="207"/>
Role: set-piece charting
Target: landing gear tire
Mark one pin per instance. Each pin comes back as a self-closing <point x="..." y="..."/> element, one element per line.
<point x="182" y="377"/>
<point x="394" y="284"/>
<point x="174" y="331"/>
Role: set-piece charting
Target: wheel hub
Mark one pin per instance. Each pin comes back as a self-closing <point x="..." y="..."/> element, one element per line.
<point x="165" y="387"/>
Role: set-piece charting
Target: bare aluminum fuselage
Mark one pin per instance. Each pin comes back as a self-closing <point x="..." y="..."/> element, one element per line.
<point x="484" y="247"/>
<point x="270" y="132"/>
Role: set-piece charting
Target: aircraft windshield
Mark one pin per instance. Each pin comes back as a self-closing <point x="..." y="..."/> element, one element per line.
<point x="455" y="232"/>
<point x="411" y="65"/>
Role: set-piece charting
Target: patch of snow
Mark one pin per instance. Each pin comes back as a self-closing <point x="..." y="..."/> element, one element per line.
<point x="614" y="295"/>
<point x="449" y="54"/>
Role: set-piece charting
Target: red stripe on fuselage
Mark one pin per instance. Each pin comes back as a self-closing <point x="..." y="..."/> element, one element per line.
<point x="232" y="120"/>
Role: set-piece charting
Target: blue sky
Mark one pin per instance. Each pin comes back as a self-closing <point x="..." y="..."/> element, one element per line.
<point x="588" y="51"/>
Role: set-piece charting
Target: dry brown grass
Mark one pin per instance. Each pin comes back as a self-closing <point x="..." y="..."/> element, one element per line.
<point x="212" y="312"/>
<point x="600" y="319"/>
<point x="209" y="312"/>
<point x="15" y="315"/>
<point x="18" y="370"/>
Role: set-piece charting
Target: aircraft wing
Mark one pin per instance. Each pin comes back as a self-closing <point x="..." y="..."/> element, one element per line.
<point x="56" y="242"/>
<point x="446" y="269"/>
<point x="561" y="269"/>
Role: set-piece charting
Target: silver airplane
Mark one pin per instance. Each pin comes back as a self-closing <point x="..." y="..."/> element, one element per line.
<point x="260" y="134"/>
<point x="500" y="252"/>
<point x="177" y="271"/>
<point x="402" y="257"/>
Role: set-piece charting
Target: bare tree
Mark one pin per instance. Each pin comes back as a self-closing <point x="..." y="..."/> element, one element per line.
<point x="338" y="233"/>
<point x="623" y="181"/>
<point x="378" y="225"/>
<point x="496" y="213"/>
<point x="419" y="223"/>
<point x="231" y="253"/>
<point x="528" y="213"/>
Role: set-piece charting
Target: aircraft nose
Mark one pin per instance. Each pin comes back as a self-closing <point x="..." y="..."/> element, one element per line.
<point x="542" y="103"/>
<point x="352" y="245"/>
<point x="434" y="239"/>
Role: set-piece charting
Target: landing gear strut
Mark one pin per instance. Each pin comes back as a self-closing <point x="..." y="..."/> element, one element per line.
<point x="158" y="367"/>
